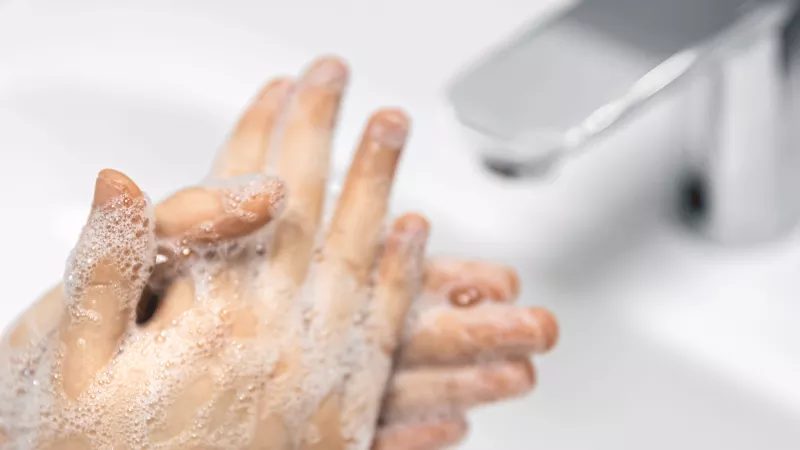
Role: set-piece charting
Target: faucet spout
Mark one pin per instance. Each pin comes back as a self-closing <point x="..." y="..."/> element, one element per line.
<point x="565" y="83"/>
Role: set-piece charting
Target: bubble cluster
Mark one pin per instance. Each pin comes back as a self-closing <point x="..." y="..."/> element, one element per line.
<point x="238" y="341"/>
<point x="239" y="191"/>
<point x="116" y="247"/>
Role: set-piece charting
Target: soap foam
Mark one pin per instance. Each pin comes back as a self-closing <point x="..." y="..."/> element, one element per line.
<point x="229" y="381"/>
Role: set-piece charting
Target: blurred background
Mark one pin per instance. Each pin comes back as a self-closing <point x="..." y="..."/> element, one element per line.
<point x="634" y="159"/>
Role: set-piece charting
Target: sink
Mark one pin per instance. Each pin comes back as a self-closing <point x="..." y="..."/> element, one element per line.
<point x="667" y="342"/>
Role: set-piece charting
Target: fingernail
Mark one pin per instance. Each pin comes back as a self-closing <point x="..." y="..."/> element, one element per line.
<point x="111" y="184"/>
<point x="412" y="223"/>
<point x="278" y="90"/>
<point x="330" y="71"/>
<point x="413" y="229"/>
<point x="548" y="325"/>
<point x="389" y="127"/>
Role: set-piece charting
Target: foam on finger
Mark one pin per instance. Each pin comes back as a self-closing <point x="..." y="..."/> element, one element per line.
<point x="119" y="233"/>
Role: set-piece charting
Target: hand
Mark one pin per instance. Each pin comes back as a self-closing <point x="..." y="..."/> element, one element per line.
<point x="259" y="342"/>
<point x="465" y="344"/>
<point x="245" y="152"/>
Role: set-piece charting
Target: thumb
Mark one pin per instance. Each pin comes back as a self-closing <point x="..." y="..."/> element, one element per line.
<point x="104" y="278"/>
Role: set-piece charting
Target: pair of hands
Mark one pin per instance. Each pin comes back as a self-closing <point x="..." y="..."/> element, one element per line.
<point x="229" y="316"/>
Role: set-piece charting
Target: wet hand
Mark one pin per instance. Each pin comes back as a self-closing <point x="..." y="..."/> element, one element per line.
<point x="464" y="345"/>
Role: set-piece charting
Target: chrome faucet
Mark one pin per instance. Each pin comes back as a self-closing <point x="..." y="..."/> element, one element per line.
<point x="580" y="73"/>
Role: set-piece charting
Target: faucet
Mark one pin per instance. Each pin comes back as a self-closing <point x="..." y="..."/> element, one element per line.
<point x="586" y="69"/>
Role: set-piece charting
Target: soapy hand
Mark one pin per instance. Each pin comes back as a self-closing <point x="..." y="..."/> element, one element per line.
<point x="246" y="330"/>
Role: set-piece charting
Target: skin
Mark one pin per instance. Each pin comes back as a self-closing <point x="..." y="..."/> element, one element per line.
<point x="462" y="342"/>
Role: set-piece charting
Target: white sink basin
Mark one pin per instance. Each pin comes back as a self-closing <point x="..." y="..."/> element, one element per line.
<point x="668" y="341"/>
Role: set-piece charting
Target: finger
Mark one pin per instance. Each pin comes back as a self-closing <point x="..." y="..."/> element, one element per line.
<point x="352" y="243"/>
<point x="357" y="225"/>
<point x="419" y="391"/>
<point x="206" y="214"/>
<point x="39" y="320"/>
<point x="303" y="154"/>
<point x="484" y="332"/>
<point x="246" y="150"/>
<point x="105" y="277"/>
<point x="432" y="435"/>
<point x="399" y="276"/>
<point x="468" y="282"/>
<point x="355" y="233"/>
<point x="303" y="162"/>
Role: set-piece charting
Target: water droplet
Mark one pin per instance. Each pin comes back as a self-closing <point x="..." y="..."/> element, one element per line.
<point x="465" y="296"/>
<point x="161" y="258"/>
